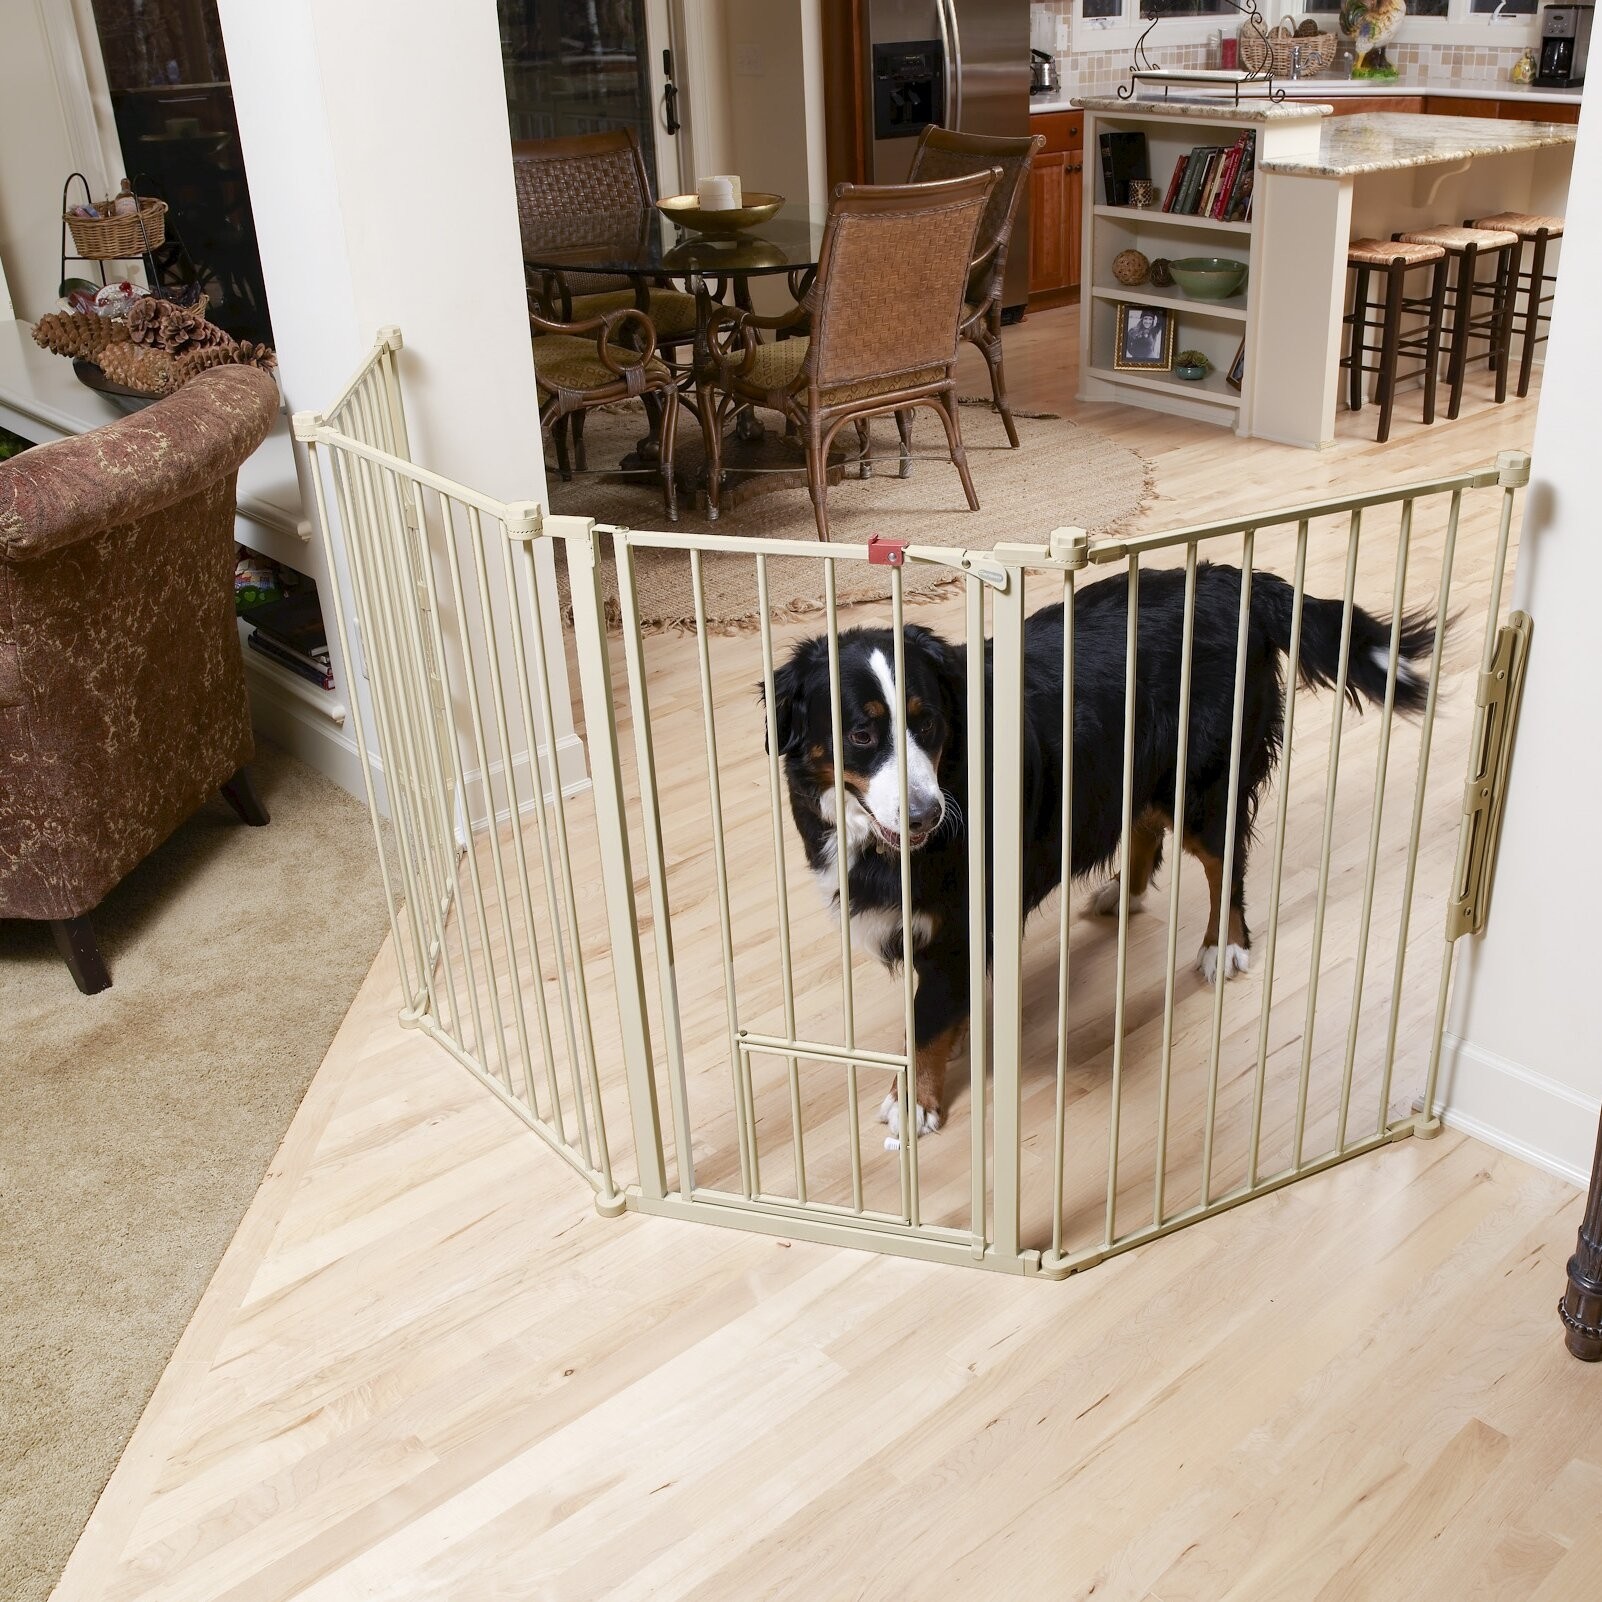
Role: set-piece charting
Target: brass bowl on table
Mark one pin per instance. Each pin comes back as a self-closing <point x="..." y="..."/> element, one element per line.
<point x="686" y="211"/>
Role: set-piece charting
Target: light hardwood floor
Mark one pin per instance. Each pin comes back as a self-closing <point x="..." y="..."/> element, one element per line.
<point x="427" y="1369"/>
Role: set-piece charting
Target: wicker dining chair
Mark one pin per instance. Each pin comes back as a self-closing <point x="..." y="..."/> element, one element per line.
<point x="595" y="362"/>
<point x="942" y="154"/>
<point x="595" y="185"/>
<point x="884" y="313"/>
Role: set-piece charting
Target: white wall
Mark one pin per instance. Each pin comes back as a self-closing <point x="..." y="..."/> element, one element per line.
<point x="1523" y="1066"/>
<point x="754" y="82"/>
<point x="378" y="150"/>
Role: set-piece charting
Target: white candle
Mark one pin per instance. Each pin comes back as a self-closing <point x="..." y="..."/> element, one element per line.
<point x="715" y="194"/>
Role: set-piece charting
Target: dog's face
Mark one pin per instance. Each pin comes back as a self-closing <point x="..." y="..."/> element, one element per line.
<point x="803" y="718"/>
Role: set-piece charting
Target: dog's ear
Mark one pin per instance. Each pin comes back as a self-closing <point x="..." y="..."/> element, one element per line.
<point x="946" y="663"/>
<point x="790" y="684"/>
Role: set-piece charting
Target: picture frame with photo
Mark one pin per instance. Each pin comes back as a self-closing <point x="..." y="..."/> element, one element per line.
<point x="1236" y="376"/>
<point x="1144" y="339"/>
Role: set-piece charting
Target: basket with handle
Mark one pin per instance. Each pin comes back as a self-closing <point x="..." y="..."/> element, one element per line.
<point x="116" y="236"/>
<point x="1283" y="48"/>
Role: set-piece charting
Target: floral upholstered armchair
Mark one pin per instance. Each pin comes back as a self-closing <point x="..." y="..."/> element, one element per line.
<point x="122" y="694"/>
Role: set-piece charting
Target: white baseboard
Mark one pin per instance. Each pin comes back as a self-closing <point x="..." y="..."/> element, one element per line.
<point x="1517" y="1110"/>
<point x="571" y="771"/>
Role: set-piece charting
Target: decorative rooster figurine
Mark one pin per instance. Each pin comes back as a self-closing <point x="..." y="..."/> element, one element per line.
<point x="1369" y="23"/>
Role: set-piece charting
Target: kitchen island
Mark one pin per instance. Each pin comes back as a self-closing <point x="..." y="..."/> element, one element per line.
<point x="1321" y="181"/>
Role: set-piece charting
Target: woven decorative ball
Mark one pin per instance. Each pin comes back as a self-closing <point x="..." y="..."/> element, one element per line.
<point x="1130" y="267"/>
<point x="1160" y="276"/>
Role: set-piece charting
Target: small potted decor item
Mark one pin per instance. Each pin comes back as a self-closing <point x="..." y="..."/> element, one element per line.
<point x="1192" y="365"/>
<point x="1142" y="194"/>
<point x="1130" y="267"/>
<point x="1368" y="24"/>
<point x="1162" y="276"/>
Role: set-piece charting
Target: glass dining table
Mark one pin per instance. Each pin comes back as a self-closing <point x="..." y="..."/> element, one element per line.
<point x="647" y="248"/>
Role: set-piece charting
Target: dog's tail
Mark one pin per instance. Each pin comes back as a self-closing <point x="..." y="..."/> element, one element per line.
<point x="1368" y="660"/>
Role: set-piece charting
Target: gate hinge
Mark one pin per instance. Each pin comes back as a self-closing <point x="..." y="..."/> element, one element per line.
<point x="524" y="520"/>
<point x="1501" y="688"/>
<point x="886" y="553"/>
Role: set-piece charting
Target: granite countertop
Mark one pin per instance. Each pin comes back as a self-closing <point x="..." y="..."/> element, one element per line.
<point x="1215" y="110"/>
<point x="1388" y="141"/>
<point x="1343" y="88"/>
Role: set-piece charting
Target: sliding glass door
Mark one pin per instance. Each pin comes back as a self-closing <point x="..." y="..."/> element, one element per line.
<point x="584" y="66"/>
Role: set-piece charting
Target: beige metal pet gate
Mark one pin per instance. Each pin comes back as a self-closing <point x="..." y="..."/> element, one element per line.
<point x="651" y="939"/>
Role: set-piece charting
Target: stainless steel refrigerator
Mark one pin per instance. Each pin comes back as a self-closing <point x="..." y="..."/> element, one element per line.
<point x="961" y="63"/>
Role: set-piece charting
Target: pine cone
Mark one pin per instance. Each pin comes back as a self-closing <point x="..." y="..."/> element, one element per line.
<point x="82" y="335"/>
<point x="162" y="325"/>
<point x="138" y="367"/>
<point x="244" y="354"/>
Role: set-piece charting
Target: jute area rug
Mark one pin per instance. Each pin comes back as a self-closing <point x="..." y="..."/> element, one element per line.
<point x="1062" y="474"/>
<point x="135" y="1125"/>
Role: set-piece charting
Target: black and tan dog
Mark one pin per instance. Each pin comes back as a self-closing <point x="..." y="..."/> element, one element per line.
<point x="936" y="694"/>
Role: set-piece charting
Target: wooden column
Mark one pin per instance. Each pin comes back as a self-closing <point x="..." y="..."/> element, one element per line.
<point x="1581" y="1307"/>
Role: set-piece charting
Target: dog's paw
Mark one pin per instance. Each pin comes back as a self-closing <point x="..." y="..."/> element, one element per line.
<point x="1237" y="959"/>
<point x="928" y="1121"/>
<point x="1105" y="900"/>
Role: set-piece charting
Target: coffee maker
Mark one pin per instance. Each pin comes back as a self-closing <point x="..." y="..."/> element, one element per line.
<point x="1565" y="43"/>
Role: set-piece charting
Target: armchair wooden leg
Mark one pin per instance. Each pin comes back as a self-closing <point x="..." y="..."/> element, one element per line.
<point x="559" y="437"/>
<point x="576" y="423"/>
<point x="947" y="408"/>
<point x="904" y="429"/>
<point x="706" y="406"/>
<point x="818" y="478"/>
<point x="670" y="431"/>
<point x="75" y="940"/>
<point x="240" y="793"/>
<point x="991" y="350"/>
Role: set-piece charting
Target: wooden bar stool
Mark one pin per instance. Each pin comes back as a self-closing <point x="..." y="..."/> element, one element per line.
<point x="1395" y="259"/>
<point x="1538" y="232"/>
<point x="1466" y="246"/>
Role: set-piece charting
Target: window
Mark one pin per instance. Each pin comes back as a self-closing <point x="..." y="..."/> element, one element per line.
<point x="1415" y="8"/>
<point x="174" y="109"/>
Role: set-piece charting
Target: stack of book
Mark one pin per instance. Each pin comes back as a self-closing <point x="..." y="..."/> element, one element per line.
<point x="289" y="631"/>
<point x="1213" y="181"/>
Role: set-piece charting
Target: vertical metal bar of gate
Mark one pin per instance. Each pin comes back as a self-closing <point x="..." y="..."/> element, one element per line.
<point x="611" y="814"/>
<point x="1007" y="610"/>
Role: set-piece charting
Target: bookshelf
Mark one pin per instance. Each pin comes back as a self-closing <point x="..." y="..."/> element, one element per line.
<point x="1216" y="327"/>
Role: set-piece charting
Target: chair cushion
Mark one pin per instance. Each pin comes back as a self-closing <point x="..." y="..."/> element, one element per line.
<point x="1525" y="224"/>
<point x="1461" y="238"/>
<point x="1382" y="252"/>
<point x="672" y="311"/>
<point x="571" y="362"/>
<point x="776" y="369"/>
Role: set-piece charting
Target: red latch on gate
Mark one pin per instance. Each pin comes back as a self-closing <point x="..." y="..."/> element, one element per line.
<point x="886" y="553"/>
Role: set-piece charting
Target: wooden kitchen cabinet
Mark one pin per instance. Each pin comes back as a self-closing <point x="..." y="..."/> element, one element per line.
<point x="1056" y="198"/>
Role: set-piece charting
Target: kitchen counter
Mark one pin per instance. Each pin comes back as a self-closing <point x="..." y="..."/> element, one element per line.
<point x="1393" y="141"/>
<point x="1210" y="109"/>
<point x="1366" y="88"/>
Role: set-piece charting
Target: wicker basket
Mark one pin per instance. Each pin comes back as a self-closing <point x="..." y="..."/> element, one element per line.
<point x="1314" y="51"/>
<point x="114" y="238"/>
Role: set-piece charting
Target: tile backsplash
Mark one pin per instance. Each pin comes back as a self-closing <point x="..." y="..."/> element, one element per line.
<point x="1087" y="71"/>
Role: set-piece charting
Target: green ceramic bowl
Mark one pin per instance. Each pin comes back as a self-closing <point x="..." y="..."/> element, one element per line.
<point x="1208" y="277"/>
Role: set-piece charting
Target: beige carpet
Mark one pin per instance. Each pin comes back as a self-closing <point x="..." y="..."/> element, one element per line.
<point x="135" y="1125"/>
<point x="1061" y="474"/>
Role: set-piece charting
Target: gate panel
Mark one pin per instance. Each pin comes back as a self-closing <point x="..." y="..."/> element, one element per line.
<point x="655" y="948"/>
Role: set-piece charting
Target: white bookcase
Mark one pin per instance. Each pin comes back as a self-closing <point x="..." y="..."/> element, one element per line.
<point x="1215" y="327"/>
